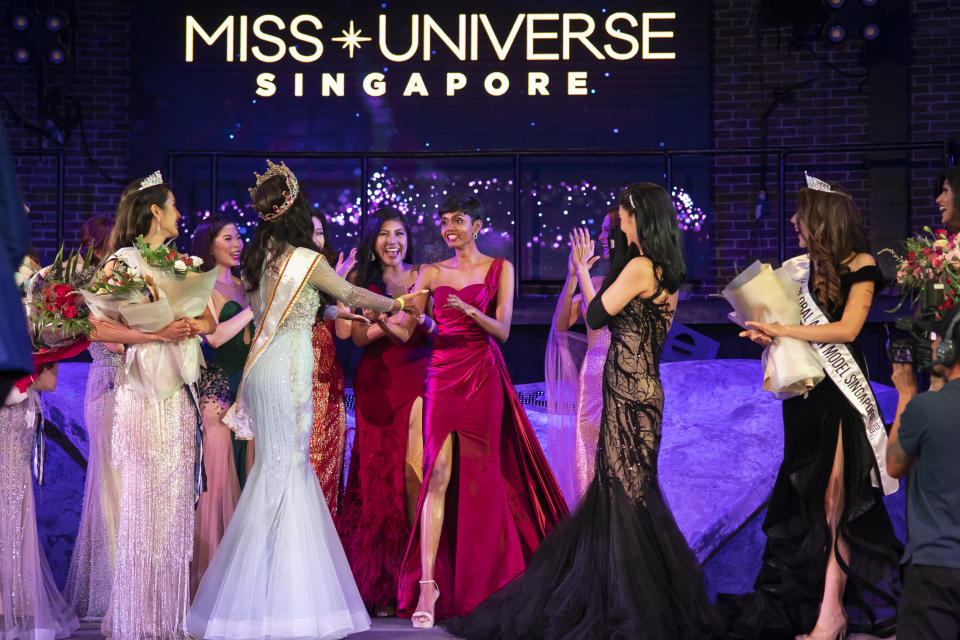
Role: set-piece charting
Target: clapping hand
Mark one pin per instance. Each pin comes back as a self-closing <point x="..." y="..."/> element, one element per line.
<point x="581" y="250"/>
<point x="344" y="266"/>
<point x="454" y="302"/>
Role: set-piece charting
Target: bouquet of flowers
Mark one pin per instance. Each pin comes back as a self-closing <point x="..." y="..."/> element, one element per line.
<point x="166" y="258"/>
<point x="931" y="257"/>
<point x="762" y="294"/>
<point x="56" y="311"/>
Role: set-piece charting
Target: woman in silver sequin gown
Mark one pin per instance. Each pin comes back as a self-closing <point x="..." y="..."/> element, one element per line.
<point x="30" y="604"/>
<point x="94" y="555"/>
<point x="154" y="447"/>
<point x="280" y="570"/>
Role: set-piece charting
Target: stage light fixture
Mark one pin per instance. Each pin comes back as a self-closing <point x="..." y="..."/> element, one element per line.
<point x="20" y="21"/>
<point x="870" y="31"/>
<point x="21" y="55"/>
<point x="870" y="3"/>
<point x="56" y="21"/>
<point x="56" y="55"/>
<point x="836" y="4"/>
<point x="836" y="33"/>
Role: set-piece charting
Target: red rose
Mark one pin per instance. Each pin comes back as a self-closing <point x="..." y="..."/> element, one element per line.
<point x="942" y="233"/>
<point x="927" y="251"/>
<point x="49" y="307"/>
<point x="172" y="254"/>
<point x="188" y="261"/>
<point x="912" y="255"/>
<point x="69" y="311"/>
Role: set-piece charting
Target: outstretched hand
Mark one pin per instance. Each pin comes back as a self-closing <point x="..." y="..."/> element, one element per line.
<point x="344" y="266"/>
<point x="407" y="306"/>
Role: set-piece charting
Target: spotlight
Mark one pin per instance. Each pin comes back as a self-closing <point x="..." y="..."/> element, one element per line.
<point x="836" y="4"/>
<point x="56" y="55"/>
<point x="870" y="31"/>
<point x="870" y="3"/>
<point x="56" y="21"/>
<point x="21" y="55"/>
<point x="20" y="21"/>
<point x="836" y="33"/>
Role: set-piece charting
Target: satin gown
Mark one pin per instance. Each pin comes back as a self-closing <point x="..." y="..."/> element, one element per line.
<point x="373" y="523"/>
<point x="329" y="415"/>
<point x="619" y="568"/>
<point x="502" y="498"/>
<point x="90" y="578"/>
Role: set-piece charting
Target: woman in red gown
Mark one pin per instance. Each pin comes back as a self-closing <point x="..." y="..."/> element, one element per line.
<point x="488" y="496"/>
<point x="383" y="482"/>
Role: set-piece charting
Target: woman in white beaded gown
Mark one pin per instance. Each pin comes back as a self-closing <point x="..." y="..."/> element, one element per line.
<point x="280" y="570"/>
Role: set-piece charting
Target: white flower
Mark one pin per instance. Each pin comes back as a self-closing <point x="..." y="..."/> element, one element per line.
<point x="197" y="262"/>
<point x="180" y="266"/>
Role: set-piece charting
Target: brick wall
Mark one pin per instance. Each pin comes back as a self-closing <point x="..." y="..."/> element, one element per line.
<point x="98" y="76"/>
<point x="751" y="62"/>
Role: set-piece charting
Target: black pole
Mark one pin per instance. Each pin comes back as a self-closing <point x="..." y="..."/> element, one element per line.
<point x="61" y="179"/>
<point x="517" y="251"/>
<point x="781" y="206"/>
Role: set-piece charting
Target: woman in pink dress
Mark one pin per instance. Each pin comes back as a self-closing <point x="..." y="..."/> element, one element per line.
<point x="488" y="496"/>
<point x="383" y="482"/>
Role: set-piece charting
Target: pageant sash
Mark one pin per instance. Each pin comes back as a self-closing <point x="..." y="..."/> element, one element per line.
<point x="842" y="367"/>
<point x="294" y="275"/>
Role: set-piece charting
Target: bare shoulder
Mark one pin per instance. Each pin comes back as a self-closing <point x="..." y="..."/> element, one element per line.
<point x="862" y="260"/>
<point x="506" y="271"/>
<point x="639" y="266"/>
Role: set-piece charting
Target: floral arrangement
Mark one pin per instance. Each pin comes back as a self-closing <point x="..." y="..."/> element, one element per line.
<point x="166" y="258"/>
<point x="932" y="257"/>
<point x="58" y="313"/>
<point x="126" y="283"/>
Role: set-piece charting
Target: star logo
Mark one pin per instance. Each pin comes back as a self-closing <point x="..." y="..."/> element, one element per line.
<point x="351" y="38"/>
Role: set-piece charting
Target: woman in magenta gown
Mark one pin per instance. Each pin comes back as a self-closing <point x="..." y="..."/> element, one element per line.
<point x="383" y="482"/>
<point x="488" y="496"/>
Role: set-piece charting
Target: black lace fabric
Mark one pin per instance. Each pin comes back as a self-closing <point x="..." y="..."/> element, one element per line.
<point x="619" y="567"/>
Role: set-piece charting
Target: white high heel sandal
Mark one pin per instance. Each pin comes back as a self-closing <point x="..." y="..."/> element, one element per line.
<point x="427" y="618"/>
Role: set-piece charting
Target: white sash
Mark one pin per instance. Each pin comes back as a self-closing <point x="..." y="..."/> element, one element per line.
<point x="294" y="275"/>
<point x="840" y="365"/>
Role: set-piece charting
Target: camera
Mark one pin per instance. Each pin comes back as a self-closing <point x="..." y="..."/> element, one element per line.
<point x="915" y="348"/>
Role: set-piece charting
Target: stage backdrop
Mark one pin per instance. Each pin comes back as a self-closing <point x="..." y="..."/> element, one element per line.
<point x="295" y="75"/>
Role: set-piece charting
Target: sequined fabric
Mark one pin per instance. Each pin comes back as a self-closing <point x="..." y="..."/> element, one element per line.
<point x="280" y="571"/>
<point x="154" y="445"/>
<point x="329" y="415"/>
<point x="30" y="604"/>
<point x="94" y="555"/>
<point x="589" y="405"/>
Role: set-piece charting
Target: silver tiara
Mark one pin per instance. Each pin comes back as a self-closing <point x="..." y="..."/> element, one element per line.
<point x="289" y="195"/>
<point x="151" y="180"/>
<point x="819" y="185"/>
<point x="630" y="199"/>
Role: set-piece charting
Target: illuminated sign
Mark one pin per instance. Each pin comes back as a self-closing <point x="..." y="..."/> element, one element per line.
<point x="531" y="37"/>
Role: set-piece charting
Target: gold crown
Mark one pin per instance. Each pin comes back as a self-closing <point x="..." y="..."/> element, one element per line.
<point x="289" y="195"/>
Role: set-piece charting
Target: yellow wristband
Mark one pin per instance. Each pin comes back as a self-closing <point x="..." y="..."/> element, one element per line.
<point x="402" y="303"/>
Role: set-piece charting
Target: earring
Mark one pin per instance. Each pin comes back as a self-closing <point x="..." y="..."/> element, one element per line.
<point x="476" y="235"/>
<point x="373" y="256"/>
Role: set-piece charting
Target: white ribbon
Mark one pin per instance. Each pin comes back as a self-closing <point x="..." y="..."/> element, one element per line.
<point x="842" y="367"/>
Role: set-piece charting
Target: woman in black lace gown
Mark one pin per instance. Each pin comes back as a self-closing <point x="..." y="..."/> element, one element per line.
<point x="831" y="557"/>
<point x="620" y="567"/>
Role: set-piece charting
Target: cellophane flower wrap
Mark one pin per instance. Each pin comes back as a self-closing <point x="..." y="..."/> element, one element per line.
<point x="57" y="315"/>
<point x="762" y="294"/>
<point x="150" y="293"/>
<point x="929" y="258"/>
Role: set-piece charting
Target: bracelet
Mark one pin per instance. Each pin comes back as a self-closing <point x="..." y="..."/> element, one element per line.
<point x="401" y="301"/>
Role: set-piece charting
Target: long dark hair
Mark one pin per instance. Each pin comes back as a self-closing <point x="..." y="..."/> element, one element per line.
<point x="134" y="214"/>
<point x="327" y="251"/>
<point x="292" y="229"/>
<point x="657" y="232"/>
<point x="203" y="237"/>
<point x="369" y="270"/>
<point x="835" y="232"/>
<point x="951" y="175"/>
